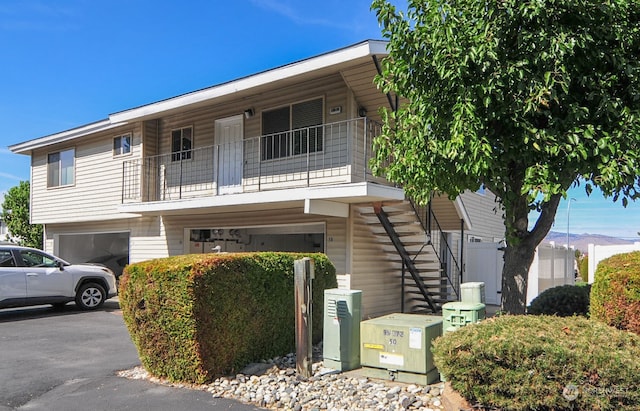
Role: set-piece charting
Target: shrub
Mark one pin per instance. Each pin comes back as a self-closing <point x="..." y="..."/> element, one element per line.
<point x="563" y="300"/>
<point x="542" y="363"/>
<point x="583" y="268"/>
<point x="196" y="317"/>
<point x="615" y="295"/>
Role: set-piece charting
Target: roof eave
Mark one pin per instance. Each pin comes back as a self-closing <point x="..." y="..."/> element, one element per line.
<point x="324" y="61"/>
<point x="28" y="146"/>
<point x="334" y="58"/>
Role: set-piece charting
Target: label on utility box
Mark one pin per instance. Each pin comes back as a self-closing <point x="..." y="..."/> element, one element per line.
<point x="392" y="359"/>
<point x="415" y="338"/>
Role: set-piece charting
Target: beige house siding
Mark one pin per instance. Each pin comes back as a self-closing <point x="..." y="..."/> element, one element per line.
<point x="486" y="216"/>
<point x="371" y="269"/>
<point x="332" y="89"/>
<point x="96" y="192"/>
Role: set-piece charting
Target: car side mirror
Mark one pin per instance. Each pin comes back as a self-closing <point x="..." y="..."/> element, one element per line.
<point x="60" y="265"/>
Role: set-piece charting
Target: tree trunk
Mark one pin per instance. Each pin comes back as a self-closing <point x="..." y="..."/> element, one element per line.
<point x="515" y="275"/>
<point x="521" y="248"/>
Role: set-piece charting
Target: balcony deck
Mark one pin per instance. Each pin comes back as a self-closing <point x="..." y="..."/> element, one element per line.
<point x="328" y="154"/>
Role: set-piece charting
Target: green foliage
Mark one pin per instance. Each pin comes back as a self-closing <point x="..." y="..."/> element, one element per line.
<point x="196" y="317"/>
<point x="534" y="362"/>
<point x="583" y="268"/>
<point x="15" y="213"/>
<point x="524" y="97"/>
<point x="563" y="301"/>
<point x="615" y="294"/>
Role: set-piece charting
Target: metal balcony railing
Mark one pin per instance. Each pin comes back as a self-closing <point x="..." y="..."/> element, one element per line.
<point x="334" y="153"/>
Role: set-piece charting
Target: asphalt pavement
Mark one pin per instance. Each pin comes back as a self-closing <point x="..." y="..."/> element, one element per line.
<point x="68" y="360"/>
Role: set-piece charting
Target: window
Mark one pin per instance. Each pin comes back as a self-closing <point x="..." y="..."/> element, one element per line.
<point x="292" y="130"/>
<point x="122" y="145"/>
<point x="36" y="259"/>
<point x="181" y="143"/>
<point x="6" y="259"/>
<point x="61" y="168"/>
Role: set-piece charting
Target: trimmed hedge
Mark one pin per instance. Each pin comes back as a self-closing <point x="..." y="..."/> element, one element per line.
<point x="563" y="300"/>
<point x="532" y="362"/>
<point x="615" y="294"/>
<point x="196" y="317"/>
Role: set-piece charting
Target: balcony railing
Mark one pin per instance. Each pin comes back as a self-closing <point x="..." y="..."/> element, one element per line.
<point x="334" y="153"/>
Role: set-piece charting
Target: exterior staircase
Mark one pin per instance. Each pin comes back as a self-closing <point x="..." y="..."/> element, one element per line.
<point x="423" y="273"/>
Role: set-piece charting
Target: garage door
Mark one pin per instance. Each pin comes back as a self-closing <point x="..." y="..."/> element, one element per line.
<point x="109" y="249"/>
<point x="291" y="238"/>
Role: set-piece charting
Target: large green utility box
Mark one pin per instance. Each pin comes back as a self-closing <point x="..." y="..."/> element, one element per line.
<point x="457" y="314"/>
<point x="398" y="347"/>
<point x="341" y="334"/>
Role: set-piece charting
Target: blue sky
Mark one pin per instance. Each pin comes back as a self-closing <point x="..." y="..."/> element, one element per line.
<point x="66" y="63"/>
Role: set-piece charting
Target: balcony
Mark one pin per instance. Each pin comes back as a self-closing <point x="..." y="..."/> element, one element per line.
<point x="329" y="154"/>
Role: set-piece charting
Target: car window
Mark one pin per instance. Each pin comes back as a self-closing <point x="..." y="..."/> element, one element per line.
<point x="36" y="259"/>
<point x="6" y="259"/>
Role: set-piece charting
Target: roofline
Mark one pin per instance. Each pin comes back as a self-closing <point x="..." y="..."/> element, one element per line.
<point x="343" y="55"/>
<point x="27" y="146"/>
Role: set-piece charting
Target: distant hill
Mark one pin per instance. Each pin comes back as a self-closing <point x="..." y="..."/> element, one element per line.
<point x="582" y="241"/>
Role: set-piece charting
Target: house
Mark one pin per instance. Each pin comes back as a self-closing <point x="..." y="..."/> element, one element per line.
<point x="273" y="161"/>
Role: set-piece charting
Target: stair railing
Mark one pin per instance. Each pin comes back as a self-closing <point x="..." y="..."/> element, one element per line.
<point x="430" y="225"/>
<point x="407" y="261"/>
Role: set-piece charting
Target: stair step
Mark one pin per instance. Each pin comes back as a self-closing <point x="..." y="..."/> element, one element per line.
<point x="388" y="213"/>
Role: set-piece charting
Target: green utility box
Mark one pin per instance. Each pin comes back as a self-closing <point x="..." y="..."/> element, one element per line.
<point x="398" y="347"/>
<point x="457" y="314"/>
<point x="472" y="292"/>
<point x="341" y="335"/>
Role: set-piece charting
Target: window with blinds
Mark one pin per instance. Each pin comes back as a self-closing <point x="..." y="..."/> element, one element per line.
<point x="292" y="130"/>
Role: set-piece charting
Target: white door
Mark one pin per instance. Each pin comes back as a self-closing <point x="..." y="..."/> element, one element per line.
<point x="229" y="136"/>
<point x="483" y="263"/>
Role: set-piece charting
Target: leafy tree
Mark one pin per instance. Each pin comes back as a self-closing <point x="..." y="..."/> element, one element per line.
<point x="15" y="213"/>
<point x="527" y="98"/>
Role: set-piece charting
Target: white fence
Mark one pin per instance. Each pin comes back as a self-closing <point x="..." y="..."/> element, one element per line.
<point x="598" y="253"/>
<point x="552" y="265"/>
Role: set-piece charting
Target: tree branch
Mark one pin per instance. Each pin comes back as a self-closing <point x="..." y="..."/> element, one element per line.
<point x="545" y="220"/>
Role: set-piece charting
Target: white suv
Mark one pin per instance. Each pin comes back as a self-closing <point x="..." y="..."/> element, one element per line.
<point x="32" y="277"/>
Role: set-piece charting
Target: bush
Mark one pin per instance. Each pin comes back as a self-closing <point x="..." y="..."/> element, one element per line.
<point x="563" y="300"/>
<point x="196" y="317"/>
<point x="615" y="295"/>
<point x="583" y="268"/>
<point x="542" y="363"/>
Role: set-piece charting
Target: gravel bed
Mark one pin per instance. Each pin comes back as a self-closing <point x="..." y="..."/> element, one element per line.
<point x="274" y="384"/>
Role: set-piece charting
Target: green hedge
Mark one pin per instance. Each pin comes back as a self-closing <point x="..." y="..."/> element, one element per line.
<point x="196" y="317"/>
<point x="615" y="294"/>
<point x="563" y="300"/>
<point x="542" y="363"/>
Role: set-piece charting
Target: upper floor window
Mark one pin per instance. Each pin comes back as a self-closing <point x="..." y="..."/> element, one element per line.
<point x="61" y="168"/>
<point x="292" y="130"/>
<point x="181" y="143"/>
<point x="122" y="145"/>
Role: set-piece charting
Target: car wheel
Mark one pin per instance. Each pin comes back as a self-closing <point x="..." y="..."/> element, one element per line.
<point x="90" y="296"/>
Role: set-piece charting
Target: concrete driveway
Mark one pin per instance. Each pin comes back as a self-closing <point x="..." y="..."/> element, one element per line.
<point x="67" y="360"/>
